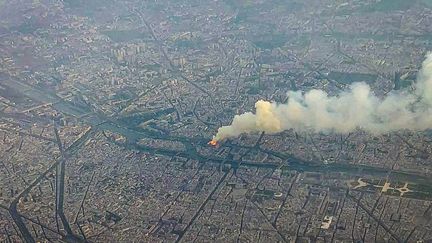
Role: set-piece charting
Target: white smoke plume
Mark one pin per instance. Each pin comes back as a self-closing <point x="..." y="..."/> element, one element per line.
<point x="353" y="109"/>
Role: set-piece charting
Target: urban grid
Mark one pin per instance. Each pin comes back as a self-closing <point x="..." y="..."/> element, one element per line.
<point x="107" y="108"/>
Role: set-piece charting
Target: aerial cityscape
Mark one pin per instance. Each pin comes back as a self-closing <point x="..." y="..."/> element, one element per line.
<point x="215" y="121"/>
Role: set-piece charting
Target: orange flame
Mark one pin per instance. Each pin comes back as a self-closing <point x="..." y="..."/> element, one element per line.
<point x="213" y="142"/>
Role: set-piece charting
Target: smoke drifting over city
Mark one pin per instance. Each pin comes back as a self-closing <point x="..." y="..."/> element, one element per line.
<point x="356" y="108"/>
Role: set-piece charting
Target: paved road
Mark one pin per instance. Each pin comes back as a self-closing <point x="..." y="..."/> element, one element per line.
<point x="102" y="122"/>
